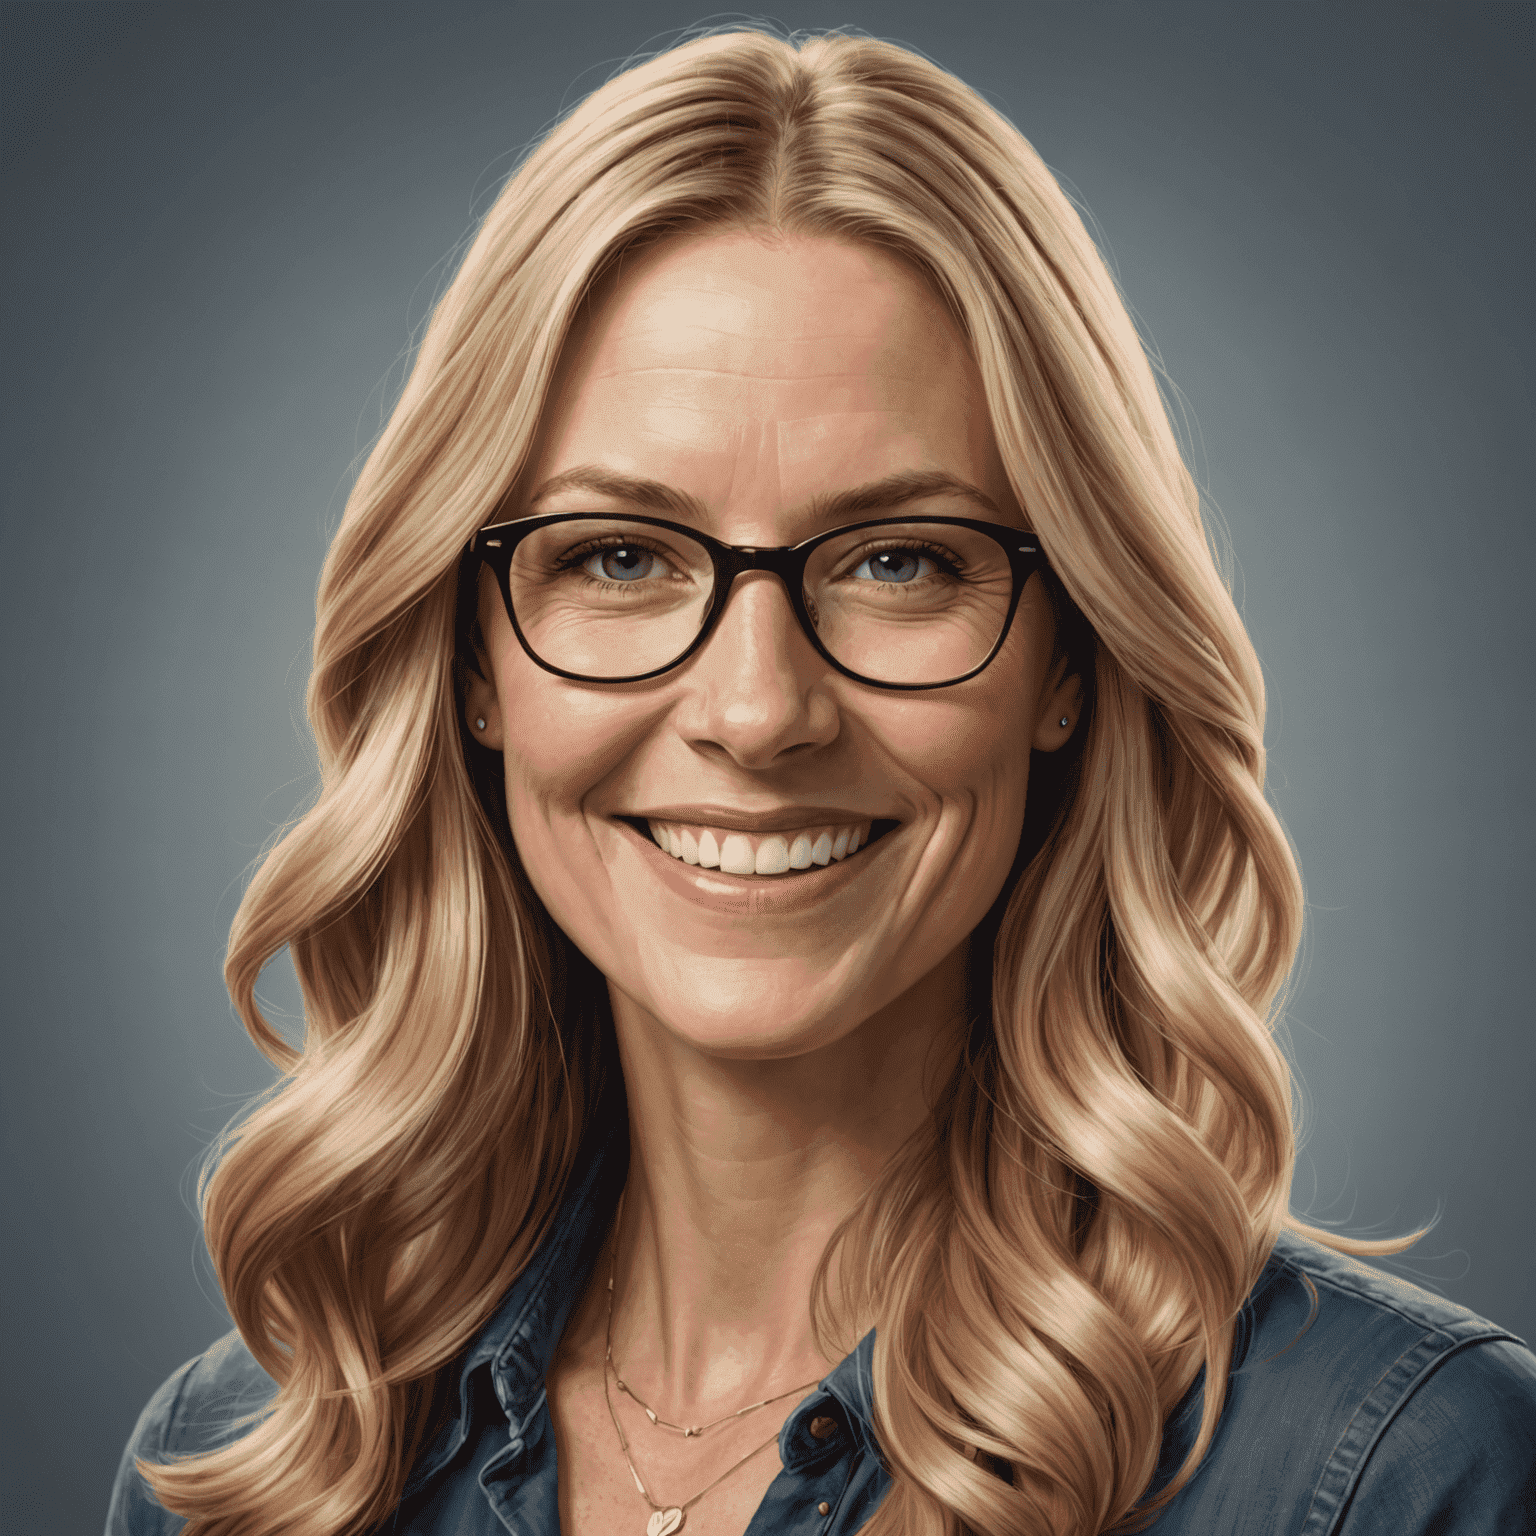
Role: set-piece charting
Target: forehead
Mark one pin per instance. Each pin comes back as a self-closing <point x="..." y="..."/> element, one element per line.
<point x="813" y="304"/>
<point x="756" y="375"/>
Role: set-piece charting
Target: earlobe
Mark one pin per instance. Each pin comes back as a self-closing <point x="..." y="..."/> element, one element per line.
<point x="482" y="712"/>
<point x="1057" y="717"/>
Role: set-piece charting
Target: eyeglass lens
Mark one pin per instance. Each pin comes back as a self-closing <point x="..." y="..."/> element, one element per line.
<point x="909" y="602"/>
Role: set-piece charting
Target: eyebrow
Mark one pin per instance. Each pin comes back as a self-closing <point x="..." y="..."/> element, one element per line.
<point x="874" y="496"/>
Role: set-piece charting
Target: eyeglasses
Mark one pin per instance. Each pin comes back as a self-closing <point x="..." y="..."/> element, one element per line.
<point x="895" y="602"/>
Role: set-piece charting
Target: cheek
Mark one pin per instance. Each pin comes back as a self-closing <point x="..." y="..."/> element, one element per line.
<point x="969" y="751"/>
<point x="970" y="754"/>
<point x="971" y="743"/>
<point x="561" y="740"/>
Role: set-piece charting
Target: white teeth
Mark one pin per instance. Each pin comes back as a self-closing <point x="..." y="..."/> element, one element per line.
<point x="736" y="856"/>
<point x="775" y="853"/>
<point x="772" y="856"/>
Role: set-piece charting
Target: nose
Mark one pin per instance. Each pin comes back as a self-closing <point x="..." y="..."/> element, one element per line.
<point x="757" y="689"/>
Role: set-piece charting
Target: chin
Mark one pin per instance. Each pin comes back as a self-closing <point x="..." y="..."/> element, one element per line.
<point x="754" y="1009"/>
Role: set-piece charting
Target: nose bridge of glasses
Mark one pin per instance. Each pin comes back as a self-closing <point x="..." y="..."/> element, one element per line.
<point x="781" y="559"/>
<point x="733" y="560"/>
<point x="739" y="560"/>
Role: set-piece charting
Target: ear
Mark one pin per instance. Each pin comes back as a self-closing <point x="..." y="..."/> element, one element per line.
<point x="482" y="703"/>
<point x="1061" y="702"/>
<point x="482" y="706"/>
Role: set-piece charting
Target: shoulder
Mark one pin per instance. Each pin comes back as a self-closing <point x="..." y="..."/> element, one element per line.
<point x="1459" y="1455"/>
<point x="1361" y="1403"/>
<point x="1440" y="1432"/>
<point x="211" y="1400"/>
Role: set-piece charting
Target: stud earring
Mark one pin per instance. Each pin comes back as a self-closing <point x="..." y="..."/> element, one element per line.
<point x="480" y="722"/>
<point x="1063" y="720"/>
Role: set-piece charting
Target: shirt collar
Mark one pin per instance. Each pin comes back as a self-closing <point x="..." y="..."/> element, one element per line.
<point x="846" y="1398"/>
<point x="518" y="1343"/>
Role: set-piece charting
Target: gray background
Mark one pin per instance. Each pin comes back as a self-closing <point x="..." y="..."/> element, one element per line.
<point x="223" y="223"/>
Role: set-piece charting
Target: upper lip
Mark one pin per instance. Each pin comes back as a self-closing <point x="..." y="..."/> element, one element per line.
<point x="788" y="818"/>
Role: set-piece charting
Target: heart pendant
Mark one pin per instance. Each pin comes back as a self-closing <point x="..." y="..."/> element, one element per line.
<point x="663" y="1522"/>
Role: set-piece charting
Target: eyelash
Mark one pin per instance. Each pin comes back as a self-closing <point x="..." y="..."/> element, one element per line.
<point x="578" y="557"/>
<point x="945" y="559"/>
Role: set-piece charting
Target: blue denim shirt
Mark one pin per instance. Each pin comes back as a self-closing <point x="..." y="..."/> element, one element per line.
<point x="1377" y="1410"/>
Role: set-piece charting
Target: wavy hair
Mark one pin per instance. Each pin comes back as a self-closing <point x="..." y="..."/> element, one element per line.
<point x="1054" y="1258"/>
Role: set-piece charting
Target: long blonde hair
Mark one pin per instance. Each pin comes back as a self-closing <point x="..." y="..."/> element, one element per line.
<point x="1051" y="1262"/>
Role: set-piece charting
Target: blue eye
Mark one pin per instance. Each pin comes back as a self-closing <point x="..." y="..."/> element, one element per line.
<point x="622" y="562"/>
<point x="897" y="566"/>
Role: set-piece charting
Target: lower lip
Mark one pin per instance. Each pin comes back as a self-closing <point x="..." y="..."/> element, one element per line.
<point x="756" y="895"/>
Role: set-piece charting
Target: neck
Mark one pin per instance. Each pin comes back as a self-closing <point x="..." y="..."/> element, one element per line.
<point x="740" y="1172"/>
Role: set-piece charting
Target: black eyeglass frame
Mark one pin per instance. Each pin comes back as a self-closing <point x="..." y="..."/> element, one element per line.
<point x="496" y="544"/>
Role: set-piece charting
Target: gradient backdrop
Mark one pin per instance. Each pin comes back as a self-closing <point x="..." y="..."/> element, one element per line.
<point x="223" y="224"/>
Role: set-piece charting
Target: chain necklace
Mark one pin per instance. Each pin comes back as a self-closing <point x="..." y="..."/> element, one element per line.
<point x="667" y="1518"/>
<point x="687" y="1431"/>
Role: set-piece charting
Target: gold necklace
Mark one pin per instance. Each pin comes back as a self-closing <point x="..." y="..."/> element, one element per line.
<point x="687" y="1431"/>
<point x="667" y="1518"/>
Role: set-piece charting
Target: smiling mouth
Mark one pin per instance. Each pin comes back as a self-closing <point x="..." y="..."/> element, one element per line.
<point x="770" y="854"/>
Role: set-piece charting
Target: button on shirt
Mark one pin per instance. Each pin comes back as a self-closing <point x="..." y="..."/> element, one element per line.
<point x="1357" y="1405"/>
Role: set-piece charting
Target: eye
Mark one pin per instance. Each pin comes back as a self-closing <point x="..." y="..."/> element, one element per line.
<point x="623" y="562"/>
<point x="897" y="566"/>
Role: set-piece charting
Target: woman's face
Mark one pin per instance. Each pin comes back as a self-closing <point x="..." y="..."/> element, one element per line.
<point x="756" y="379"/>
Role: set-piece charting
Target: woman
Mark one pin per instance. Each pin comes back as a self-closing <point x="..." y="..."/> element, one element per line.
<point x="791" y="923"/>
